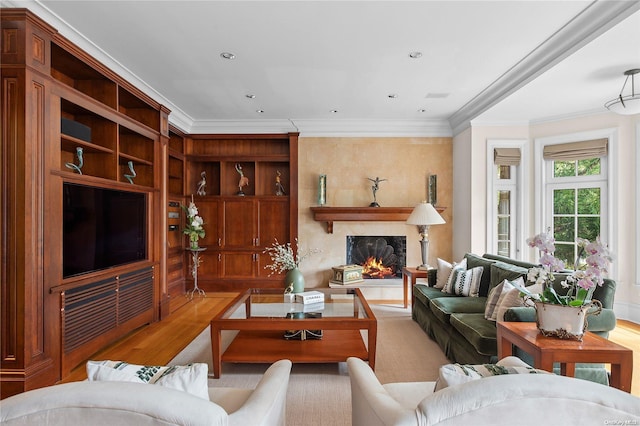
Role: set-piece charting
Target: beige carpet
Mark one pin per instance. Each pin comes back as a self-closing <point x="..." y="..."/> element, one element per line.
<point x="320" y="394"/>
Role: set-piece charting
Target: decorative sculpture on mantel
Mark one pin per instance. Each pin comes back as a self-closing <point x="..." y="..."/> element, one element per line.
<point x="244" y="181"/>
<point x="374" y="188"/>
<point x="77" y="168"/>
<point x="202" y="184"/>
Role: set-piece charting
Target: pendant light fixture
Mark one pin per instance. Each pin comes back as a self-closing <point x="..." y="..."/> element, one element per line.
<point x="629" y="104"/>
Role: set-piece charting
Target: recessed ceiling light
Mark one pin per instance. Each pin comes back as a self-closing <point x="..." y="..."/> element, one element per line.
<point x="392" y="95"/>
<point x="259" y="111"/>
<point x="422" y="110"/>
<point x="334" y="111"/>
<point x="250" y="96"/>
<point x="227" y="55"/>
<point x="415" y="55"/>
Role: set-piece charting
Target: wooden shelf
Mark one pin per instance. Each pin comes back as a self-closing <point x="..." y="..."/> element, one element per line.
<point x="362" y="214"/>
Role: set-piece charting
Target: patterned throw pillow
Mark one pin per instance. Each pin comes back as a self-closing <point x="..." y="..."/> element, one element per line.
<point x="467" y="282"/>
<point x="191" y="378"/>
<point x="448" y="287"/>
<point x="491" y="308"/>
<point x="455" y="374"/>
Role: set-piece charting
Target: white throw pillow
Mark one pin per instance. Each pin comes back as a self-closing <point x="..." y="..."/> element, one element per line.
<point x="191" y="378"/>
<point x="444" y="270"/>
<point x="455" y="374"/>
<point x="510" y="299"/>
<point x="448" y="287"/>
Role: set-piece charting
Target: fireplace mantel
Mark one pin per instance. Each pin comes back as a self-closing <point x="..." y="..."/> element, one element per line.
<point x="362" y="214"/>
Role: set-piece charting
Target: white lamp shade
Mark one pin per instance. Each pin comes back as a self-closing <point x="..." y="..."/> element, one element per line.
<point x="425" y="214"/>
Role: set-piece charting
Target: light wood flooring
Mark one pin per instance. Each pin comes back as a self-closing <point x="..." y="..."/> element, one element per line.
<point x="160" y="342"/>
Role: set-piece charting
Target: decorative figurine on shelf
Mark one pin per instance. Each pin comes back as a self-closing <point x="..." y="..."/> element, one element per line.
<point x="244" y="181"/>
<point x="202" y="184"/>
<point x="374" y="188"/>
<point x="77" y="168"/>
<point x="279" y="187"/>
<point x="133" y="173"/>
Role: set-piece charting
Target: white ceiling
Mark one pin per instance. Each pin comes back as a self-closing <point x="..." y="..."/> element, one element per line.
<point x="303" y="59"/>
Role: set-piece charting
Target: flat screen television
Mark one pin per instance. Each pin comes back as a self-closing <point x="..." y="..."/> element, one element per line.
<point x="102" y="228"/>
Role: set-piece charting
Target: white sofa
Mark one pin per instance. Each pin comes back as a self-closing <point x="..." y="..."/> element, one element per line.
<point x="124" y="403"/>
<point x="522" y="399"/>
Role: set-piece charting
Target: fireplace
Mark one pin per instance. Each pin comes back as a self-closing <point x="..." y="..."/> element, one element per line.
<point x="381" y="257"/>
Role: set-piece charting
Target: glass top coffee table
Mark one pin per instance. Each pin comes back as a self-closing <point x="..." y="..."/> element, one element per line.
<point x="262" y="318"/>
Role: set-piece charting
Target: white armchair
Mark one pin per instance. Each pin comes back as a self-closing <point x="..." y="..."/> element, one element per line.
<point x="523" y="399"/>
<point x="123" y="403"/>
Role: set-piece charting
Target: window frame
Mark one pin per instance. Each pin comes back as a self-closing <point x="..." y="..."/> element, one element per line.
<point x="543" y="170"/>
<point x="520" y="186"/>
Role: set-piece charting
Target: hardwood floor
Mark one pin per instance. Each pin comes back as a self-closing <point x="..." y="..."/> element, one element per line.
<point x="160" y="342"/>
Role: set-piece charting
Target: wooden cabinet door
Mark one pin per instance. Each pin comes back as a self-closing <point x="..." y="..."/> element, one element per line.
<point x="209" y="210"/>
<point x="239" y="223"/>
<point x="239" y="265"/>
<point x="273" y="222"/>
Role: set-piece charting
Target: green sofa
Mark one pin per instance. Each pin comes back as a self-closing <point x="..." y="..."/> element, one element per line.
<point x="457" y="323"/>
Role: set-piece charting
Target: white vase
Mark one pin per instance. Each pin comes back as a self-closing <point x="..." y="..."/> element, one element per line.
<point x="564" y="322"/>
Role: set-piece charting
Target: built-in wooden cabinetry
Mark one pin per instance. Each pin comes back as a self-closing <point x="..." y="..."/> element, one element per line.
<point x="240" y="227"/>
<point x="58" y="102"/>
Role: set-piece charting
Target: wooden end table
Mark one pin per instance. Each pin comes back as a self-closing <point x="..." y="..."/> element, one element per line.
<point x="547" y="350"/>
<point x="409" y="276"/>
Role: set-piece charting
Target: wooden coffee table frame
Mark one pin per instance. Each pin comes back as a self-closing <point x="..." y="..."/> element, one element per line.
<point x="260" y="339"/>
<point x="547" y="350"/>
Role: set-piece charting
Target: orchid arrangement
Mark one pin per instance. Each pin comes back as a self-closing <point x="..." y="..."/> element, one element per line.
<point x="194" y="224"/>
<point x="581" y="283"/>
<point x="283" y="257"/>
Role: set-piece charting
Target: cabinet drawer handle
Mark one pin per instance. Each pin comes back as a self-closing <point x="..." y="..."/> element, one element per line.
<point x="219" y="257"/>
<point x="219" y="242"/>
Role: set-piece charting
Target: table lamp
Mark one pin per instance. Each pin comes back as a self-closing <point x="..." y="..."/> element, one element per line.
<point x="423" y="215"/>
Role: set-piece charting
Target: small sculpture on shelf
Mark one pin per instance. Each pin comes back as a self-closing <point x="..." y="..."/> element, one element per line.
<point x="374" y="188"/>
<point x="202" y="184"/>
<point x="77" y="168"/>
<point x="244" y="181"/>
<point x="133" y="173"/>
<point x="279" y="188"/>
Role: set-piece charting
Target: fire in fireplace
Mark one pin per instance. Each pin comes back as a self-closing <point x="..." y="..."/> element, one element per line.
<point x="381" y="257"/>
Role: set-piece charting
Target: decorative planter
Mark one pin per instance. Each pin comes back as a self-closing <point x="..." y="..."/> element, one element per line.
<point x="193" y="245"/>
<point x="295" y="279"/>
<point x="564" y="322"/>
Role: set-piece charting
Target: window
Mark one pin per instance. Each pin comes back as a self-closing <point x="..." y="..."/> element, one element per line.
<point x="577" y="202"/>
<point x="505" y="195"/>
<point x="574" y="198"/>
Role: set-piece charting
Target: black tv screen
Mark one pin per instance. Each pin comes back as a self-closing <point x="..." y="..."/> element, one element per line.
<point x="102" y="228"/>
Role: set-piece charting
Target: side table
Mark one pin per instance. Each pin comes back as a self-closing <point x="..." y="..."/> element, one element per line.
<point x="547" y="350"/>
<point x="409" y="276"/>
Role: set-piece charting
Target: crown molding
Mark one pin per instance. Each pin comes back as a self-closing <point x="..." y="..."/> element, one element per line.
<point x="373" y="128"/>
<point x="325" y="128"/>
<point x="593" y="21"/>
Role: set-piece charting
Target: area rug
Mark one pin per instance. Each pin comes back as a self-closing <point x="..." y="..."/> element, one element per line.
<point x="320" y="394"/>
